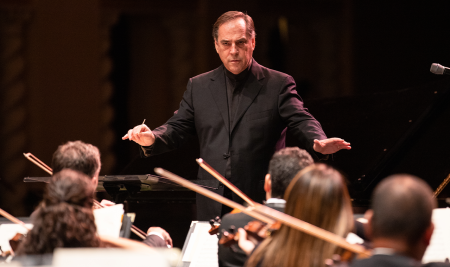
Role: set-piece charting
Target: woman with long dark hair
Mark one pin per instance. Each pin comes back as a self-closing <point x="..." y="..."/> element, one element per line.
<point x="64" y="218"/>
<point x="317" y="195"/>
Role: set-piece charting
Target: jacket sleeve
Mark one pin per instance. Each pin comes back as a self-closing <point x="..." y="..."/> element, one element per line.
<point x="154" y="241"/>
<point x="299" y="121"/>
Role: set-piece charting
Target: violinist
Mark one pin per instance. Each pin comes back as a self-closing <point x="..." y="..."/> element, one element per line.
<point x="82" y="157"/>
<point x="65" y="217"/>
<point x="400" y="222"/>
<point x="85" y="158"/>
<point x="319" y="196"/>
<point x="283" y="166"/>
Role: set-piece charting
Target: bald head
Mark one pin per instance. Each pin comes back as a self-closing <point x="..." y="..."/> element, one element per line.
<point x="402" y="206"/>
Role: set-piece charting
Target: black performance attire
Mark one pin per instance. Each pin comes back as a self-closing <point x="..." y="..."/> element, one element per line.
<point x="394" y="260"/>
<point x="234" y="256"/>
<point x="240" y="121"/>
<point x="155" y="241"/>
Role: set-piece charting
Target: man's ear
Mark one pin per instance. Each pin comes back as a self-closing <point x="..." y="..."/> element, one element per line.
<point x="253" y="43"/>
<point x="95" y="181"/>
<point x="428" y="233"/>
<point x="268" y="184"/>
<point x="368" y="226"/>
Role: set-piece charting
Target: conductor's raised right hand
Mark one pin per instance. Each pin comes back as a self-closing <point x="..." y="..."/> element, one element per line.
<point x="140" y="134"/>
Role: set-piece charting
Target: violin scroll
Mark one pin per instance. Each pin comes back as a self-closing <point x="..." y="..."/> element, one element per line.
<point x="256" y="232"/>
<point x="215" y="224"/>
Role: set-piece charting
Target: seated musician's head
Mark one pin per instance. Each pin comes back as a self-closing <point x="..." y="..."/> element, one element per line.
<point x="65" y="219"/>
<point x="400" y="217"/>
<point x="78" y="156"/>
<point x="283" y="166"/>
<point x="317" y="195"/>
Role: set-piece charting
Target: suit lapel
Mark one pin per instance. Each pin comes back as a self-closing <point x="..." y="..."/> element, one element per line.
<point x="218" y="91"/>
<point x="249" y="92"/>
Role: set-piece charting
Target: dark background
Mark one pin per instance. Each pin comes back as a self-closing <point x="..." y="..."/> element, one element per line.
<point x="92" y="69"/>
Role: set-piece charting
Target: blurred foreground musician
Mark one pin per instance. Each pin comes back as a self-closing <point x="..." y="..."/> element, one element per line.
<point x="239" y="112"/>
<point x="283" y="167"/>
<point x="400" y="223"/>
<point x="65" y="218"/>
<point x="317" y="195"/>
<point x="85" y="158"/>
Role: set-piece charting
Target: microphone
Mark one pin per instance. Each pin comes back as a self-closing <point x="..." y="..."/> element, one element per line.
<point x="439" y="69"/>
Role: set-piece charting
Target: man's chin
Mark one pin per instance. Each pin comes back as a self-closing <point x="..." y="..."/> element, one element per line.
<point x="235" y="70"/>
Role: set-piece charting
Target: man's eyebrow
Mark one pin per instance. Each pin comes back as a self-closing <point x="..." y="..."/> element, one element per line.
<point x="224" y="41"/>
<point x="242" y="39"/>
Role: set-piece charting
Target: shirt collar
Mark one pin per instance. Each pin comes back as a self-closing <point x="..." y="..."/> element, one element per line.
<point x="275" y="200"/>
<point x="383" y="251"/>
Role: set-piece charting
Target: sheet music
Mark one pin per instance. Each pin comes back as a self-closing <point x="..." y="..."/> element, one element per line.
<point x="8" y="231"/>
<point x="202" y="248"/>
<point x="100" y="257"/>
<point x="439" y="248"/>
<point x="109" y="220"/>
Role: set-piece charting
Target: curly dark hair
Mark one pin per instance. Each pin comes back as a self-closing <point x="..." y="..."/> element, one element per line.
<point x="64" y="218"/>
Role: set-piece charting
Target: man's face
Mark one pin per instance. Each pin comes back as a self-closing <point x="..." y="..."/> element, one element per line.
<point x="234" y="47"/>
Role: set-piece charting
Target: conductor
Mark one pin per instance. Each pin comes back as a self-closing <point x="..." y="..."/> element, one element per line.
<point x="239" y="112"/>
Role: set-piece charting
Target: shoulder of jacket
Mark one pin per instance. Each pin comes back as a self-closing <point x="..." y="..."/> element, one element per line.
<point x="274" y="73"/>
<point x="206" y="75"/>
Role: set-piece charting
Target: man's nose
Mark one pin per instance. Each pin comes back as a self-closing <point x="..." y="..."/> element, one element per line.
<point x="234" y="49"/>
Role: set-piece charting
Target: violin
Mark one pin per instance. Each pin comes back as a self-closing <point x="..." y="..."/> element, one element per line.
<point x="17" y="239"/>
<point x="347" y="254"/>
<point x="215" y="224"/>
<point x="256" y="232"/>
<point x="270" y="216"/>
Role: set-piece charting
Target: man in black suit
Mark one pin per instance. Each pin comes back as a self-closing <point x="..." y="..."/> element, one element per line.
<point x="239" y="112"/>
<point x="400" y="224"/>
<point x="283" y="167"/>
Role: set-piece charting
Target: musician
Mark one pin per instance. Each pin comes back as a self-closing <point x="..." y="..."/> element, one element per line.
<point x="283" y="166"/>
<point x="239" y="112"/>
<point x="65" y="218"/>
<point x="319" y="196"/>
<point x="81" y="157"/>
<point x="400" y="222"/>
<point x="85" y="158"/>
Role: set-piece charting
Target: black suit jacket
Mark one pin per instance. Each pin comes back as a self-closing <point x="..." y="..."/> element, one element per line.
<point x="234" y="256"/>
<point x="394" y="261"/>
<point x="269" y="103"/>
<point x="155" y="241"/>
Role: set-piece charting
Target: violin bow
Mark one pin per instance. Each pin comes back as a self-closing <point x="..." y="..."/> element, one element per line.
<point x="442" y="186"/>
<point x="224" y="181"/>
<point x="269" y="215"/>
<point x="258" y="207"/>
<point x="97" y="204"/>
<point x="13" y="219"/>
<point x="38" y="162"/>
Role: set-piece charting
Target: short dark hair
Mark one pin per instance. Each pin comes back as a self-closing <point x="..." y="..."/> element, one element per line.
<point x="402" y="207"/>
<point x="283" y="167"/>
<point x="77" y="156"/>
<point x="232" y="15"/>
